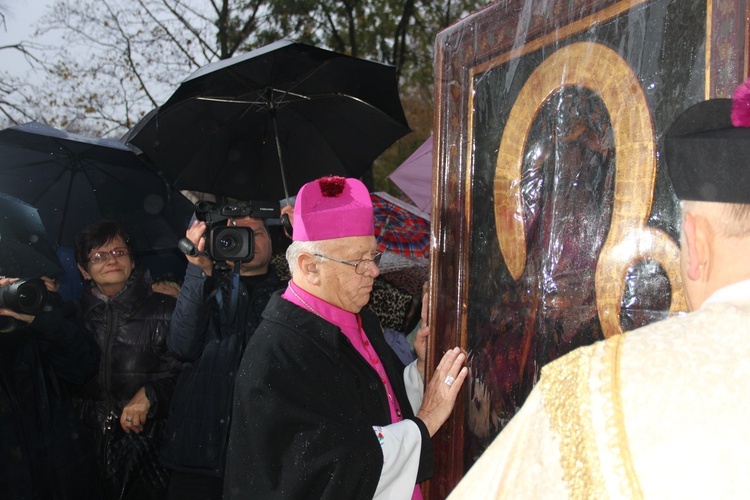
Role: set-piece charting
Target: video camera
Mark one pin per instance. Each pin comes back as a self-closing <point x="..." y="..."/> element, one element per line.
<point x="231" y="243"/>
<point x="27" y="296"/>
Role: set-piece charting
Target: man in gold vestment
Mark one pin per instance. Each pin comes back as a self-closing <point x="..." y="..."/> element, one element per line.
<point x="662" y="411"/>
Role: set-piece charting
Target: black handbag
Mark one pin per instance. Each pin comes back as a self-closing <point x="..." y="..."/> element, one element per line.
<point x="131" y="461"/>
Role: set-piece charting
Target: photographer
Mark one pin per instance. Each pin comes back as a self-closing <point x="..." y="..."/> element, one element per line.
<point x="46" y="452"/>
<point x="209" y="333"/>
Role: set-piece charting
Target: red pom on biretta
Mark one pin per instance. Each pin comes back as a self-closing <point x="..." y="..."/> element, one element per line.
<point x="332" y="187"/>
<point x="333" y="207"/>
<point x="741" y="105"/>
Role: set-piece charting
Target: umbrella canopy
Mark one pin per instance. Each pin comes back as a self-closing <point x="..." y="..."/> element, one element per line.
<point x="414" y="176"/>
<point x="260" y="125"/>
<point x="400" y="228"/>
<point x="25" y="248"/>
<point x="74" y="180"/>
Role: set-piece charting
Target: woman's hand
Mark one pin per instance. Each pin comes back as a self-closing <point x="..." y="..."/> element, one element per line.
<point x="440" y="394"/>
<point x="135" y="413"/>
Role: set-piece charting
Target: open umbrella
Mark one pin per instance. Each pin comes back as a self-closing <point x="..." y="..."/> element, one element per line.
<point x="74" y="180"/>
<point x="25" y="248"/>
<point x="414" y="176"/>
<point x="400" y="228"/>
<point x="260" y="125"/>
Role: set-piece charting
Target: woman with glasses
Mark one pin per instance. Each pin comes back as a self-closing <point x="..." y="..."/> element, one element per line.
<point x="127" y="402"/>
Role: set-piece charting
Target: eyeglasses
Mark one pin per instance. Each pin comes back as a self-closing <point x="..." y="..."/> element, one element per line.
<point x="116" y="253"/>
<point x="361" y="266"/>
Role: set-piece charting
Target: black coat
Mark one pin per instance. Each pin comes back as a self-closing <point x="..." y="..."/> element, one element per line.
<point x="131" y="330"/>
<point x="198" y="425"/>
<point x="305" y="405"/>
<point x="45" y="452"/>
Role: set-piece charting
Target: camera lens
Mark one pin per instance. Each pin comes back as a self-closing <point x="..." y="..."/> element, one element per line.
<point x="24" y="296"/>
<point x="231" y="243"/>
<point x="228" y="242"/>
<point x="29" y="298"/>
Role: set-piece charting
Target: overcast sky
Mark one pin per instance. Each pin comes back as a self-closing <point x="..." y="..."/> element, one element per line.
<point x="21" y="15"/>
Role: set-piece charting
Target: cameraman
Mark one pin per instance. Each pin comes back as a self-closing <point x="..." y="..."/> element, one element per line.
<point x="210" y="343"/>
<point x="46" y="452"/>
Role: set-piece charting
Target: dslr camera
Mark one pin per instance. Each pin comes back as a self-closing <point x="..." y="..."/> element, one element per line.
<point x="232" y="243"/>
<point x="27" y="296"/>
<point x="24" y="296"/>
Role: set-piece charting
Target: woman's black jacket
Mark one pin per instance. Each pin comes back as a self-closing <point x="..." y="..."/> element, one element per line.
<point x="131" y="330"/>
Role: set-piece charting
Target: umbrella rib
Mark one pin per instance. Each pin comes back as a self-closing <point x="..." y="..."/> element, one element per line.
<point x="33" y="201"/>
<point x="81" y="163"/>
<point x="253" y="83"/>
<point x="265" y="102"/>
<point x="65" y="207"/>
<point x="273" y="105"/>
<point x="326" y="96"/>
<point x="260" y="103"/>
<point x="70" y="157"/>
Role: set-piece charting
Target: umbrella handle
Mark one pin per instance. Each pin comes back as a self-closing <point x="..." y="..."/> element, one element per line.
<point x="272" y="110"/>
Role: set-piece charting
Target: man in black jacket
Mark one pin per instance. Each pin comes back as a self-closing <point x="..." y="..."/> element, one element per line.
<point x="323" y="407"/>
<point x="210" y="340"/>
<point x="46" y="452"/>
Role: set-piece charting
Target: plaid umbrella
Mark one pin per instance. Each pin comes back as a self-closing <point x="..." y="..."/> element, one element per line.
<point x="399" y="227"/>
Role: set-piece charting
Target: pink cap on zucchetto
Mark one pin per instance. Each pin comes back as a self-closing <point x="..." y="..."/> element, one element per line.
<point x="333" y="207"/>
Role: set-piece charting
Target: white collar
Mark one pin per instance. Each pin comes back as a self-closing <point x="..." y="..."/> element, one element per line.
<point x="739" y="291"/>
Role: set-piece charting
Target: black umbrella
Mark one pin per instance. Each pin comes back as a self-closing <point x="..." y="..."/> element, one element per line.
<point x="25" y="248"/>
<point x="260" y="125"/>
<point x="74" y="180"/>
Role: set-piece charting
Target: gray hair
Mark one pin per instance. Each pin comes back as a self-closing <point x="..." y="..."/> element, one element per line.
<point x="299" y="247"/>
<point x="730" y="220"/>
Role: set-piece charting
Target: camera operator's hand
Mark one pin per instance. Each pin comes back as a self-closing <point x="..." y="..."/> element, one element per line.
<point x="196" y="234"/>
<point x="26" y="318"/>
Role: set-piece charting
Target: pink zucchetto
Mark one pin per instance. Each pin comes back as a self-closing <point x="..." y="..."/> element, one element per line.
<point x="333" y="207"/>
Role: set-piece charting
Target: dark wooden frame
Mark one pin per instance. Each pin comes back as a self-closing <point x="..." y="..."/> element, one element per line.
<point x="479" y="41"/>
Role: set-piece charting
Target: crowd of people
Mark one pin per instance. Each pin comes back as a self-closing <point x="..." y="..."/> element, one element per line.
<point x="140" y="385"/>
<point x="236" y="384"/>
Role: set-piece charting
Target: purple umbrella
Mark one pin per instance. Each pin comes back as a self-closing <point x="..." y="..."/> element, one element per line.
<point x="414" y="176"/>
